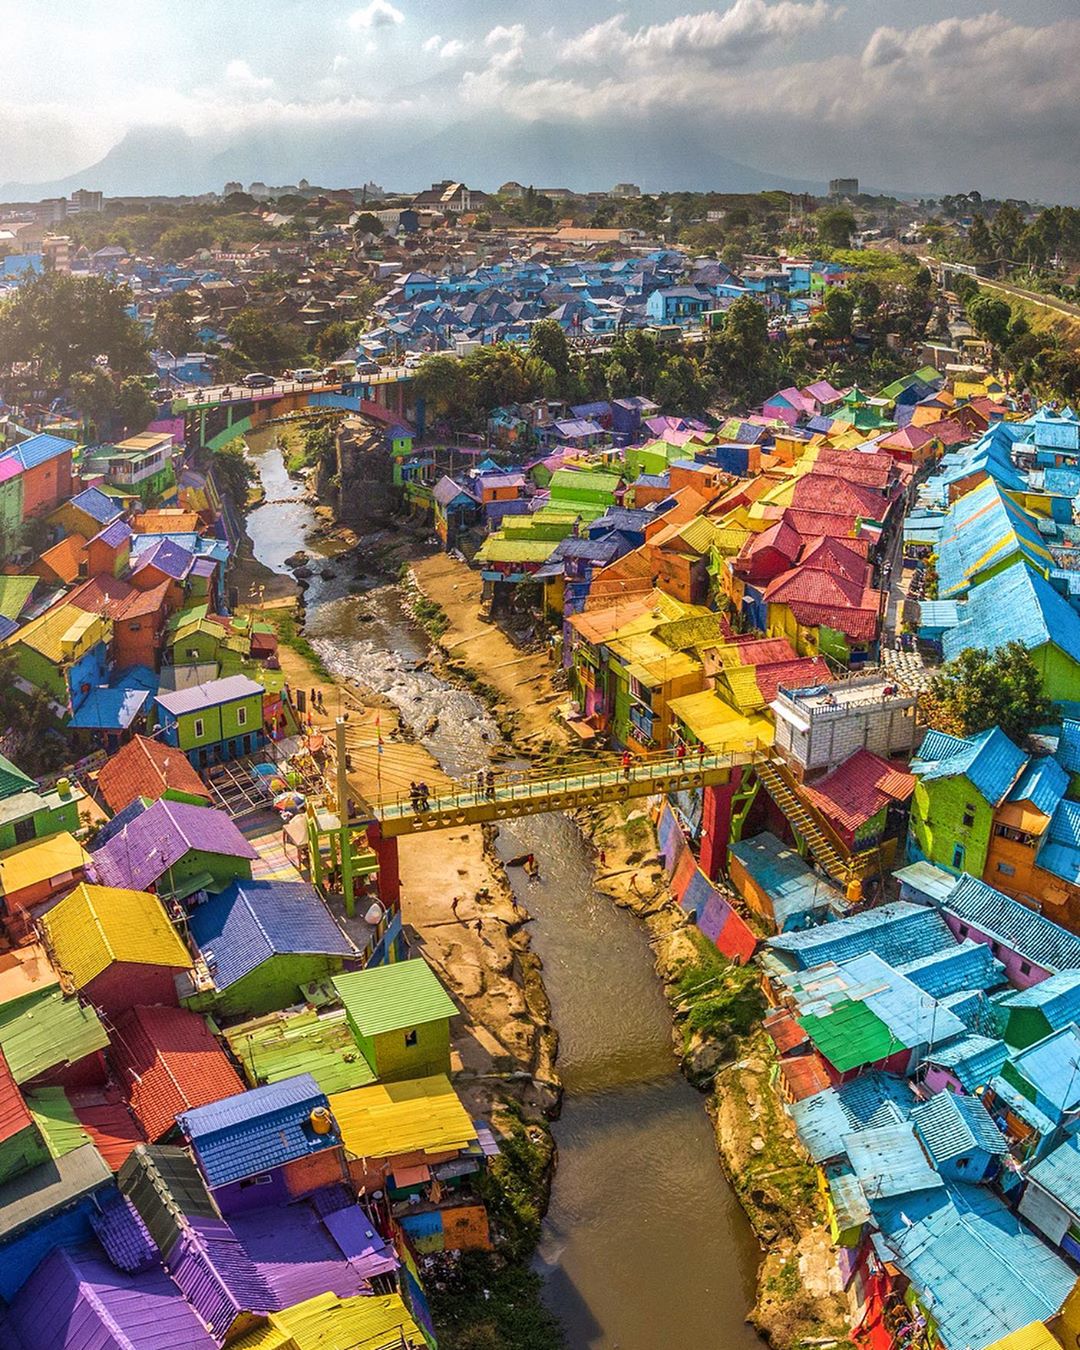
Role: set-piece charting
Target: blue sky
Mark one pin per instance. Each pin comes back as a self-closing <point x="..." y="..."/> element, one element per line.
<point x="909" y="94"/>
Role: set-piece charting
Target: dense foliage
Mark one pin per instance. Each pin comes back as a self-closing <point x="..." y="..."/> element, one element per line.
<point x="979" y="690"/>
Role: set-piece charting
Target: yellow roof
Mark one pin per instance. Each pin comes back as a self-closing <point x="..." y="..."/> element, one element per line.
<point x="651" y="661"/>
<point x="1032" y="1337"/>
<point x="27" y="864"/>
<point x="743" y="685"/>
<point x="63" y="627"/>
<point x="718" y="726"/>
<point x="326" y="1322"/>
<point x="422" y="1115"/>
<point x="97" y="925"/>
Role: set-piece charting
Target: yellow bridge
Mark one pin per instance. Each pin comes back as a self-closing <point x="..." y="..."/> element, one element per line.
<point x="533" y="793"/>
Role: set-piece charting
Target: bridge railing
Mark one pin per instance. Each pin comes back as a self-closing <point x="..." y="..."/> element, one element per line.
<point x="522" y="785"/>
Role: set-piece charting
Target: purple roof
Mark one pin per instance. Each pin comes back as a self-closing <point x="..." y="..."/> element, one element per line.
<point x="76" y="1300"/>
<point x="169" y="558"/>
<point x="209" y="695"/>
<point x="114" y="535"/>
<point x="217" y="1276"/>
<point x="123" y="1234"/>
<point x="579" y="426"/>
<point x="296" y="1255"/>
<point x="204" y="567"/>
<point x="158" y="838"/>
<point x="97" y="505"/>
<point x="360" y="1242"/>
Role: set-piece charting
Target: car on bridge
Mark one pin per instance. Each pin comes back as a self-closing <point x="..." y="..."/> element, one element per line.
<point x="305" y="375"/>
<point x="257" y="380"/>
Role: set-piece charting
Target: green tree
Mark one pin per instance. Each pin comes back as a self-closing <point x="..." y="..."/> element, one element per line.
<point x="1006" y="228"/>
<point x="265" y="345"/>
<point x="134" y="406"/>
<point x="174" y="330"/>
<point x="496" y="375"/>
<point x="548" y="343"/>
<point x="94" y="395"/>
<point x="60" y="324"/>
<point x="839" y="309"/>
<point x="183" y="240"/>
<point x="367" y="223"/>
<point x="740" y="355"/>
<point x="681" y="386"/>
<point x="980" y="246"/>
<point x="978" y="690"/>
<point x="835" y="225"/>
<point x="233" y="471"/>
<point x="867" y="296"/>
<point x="443" y="383"/>
<point x="334" y="339"/>
<point x="990" y="318"/>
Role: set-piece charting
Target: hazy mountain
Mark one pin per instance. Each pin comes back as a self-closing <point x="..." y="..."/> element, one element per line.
<point x="660" y="156"/>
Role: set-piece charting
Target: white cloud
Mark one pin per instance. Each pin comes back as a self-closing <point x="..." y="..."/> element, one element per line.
<point x="240" y="76"/>
<point x="432" y="43"/>
<point x="450" y="49"/>
<point x="377" y="14"/>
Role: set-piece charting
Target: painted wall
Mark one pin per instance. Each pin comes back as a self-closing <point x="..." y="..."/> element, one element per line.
<point x="272" y="985"/>
<point x="938" y="812"/>
<point x="393" y="1060"/>
<point x="125" y="983"/>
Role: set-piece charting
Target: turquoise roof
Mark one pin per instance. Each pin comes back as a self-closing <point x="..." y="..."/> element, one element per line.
<point x="973" y="1060"/>
<point x="898" y="933"/>
<point x="1016" y="605"/>
<point x="953" y="1126"/>
<point x="1043" y="784"/>
<point x="1014" y="926"/>
<point x="1059" y="1174"/>
<point x="989" y="761"/>
<point x="967" y="966"/>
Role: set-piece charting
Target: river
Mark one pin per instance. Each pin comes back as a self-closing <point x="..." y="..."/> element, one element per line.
<point x="644" y="1246"/>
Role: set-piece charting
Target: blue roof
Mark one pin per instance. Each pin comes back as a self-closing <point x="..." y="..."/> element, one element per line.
<point x="1050" y="1067"/>
<point x="981" y="1272"/>
<point x="105" y="709"/>
<point x="1068" y="750"/>
<point x="1057" y="998"/>
<point x="951" y="1125"/>
<point x="793" y="888"/>
<point x="1016" y="605"/>
<point x="38" y="449"/>
<point x="251" y="921"/>
<point x="889" y="1161"/>
<point x="989" y="761"/>
<point x="982" y="528"/>
<point x="1043" y="784"/>
<point x="899" y="933"/>
<point x="96" y="504"/>
<point x="1060" y="850"/>
<point x="824" y="1120"/>
<point x="257" y="1131"/>
<point x="116" y="534"/>
<point x="967" y="966"/>
<point x="972" y="1059"/>
<point x="912" y="1017"/>
<point x="1059" y="1174"/>
<point x="1036" y="938"/>
<point x="168" y="557"/>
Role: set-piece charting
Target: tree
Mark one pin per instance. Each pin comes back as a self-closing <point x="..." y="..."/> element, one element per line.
<point x="978" y="690"/>
<point x="94" y="395"/>
<point x="839" y="309"/>
<point x="681" y="387"/>
<point x="990" y="318"/>
<point x="134" y="406"/>
<point x="980" y="246"/>
<point x="740" y="355"/>
<point x="174" y="330"/>
<point x="233" y="472"/>
<point x="334" y="339"/>
<point x="1006" y="228"/>
<point x="835" y="225"/>
<point x="61" y="324"/>
<point x="262" y="343"/>
<point x="867" y="296"/>
<point x="443" y="383"/>
<point x="183" y="240"/>
<point x="547" y="341"/>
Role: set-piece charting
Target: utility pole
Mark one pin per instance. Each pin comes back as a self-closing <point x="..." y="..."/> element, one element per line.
<point x="345" y="832"/>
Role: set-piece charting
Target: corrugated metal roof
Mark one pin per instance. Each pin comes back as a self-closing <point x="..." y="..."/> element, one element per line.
<point x="47" y="1030"/>
<point x="898" y="932"/>
<point x="211" y="695"/>
<point x="1057" y="998"/>
<point x="1050" y="1067"/>
<point x="849" y="1035"/>
<point x="972" y="1059"/>
<point x="826" y="1119"/>
<point x="55" y="1118"/>
<point x="283" y="1044"/>
<point x="1043" y="783"/>
<point x="96" y="926"/>
<point x="166" y="1188"/>
<point x="952" y="1126"/>
<point x="377" y="1322"/>
<point x="1032" y="935"/>
<point x="1015" y="605"/>
<point x="37" y="450"/>
<point x="392" y="997"/>
<point x="968" y="966"/>
<point x="156" y="839"/>
<point x="251" y="921"/>
<point x="888" y="1161"/>
<point x="1059" y="1174"/>
<point x="989" y="761"/>
<point x="40" y="860"/>
<point x="423" y="1115"/>
<point x="28" y="1197"/>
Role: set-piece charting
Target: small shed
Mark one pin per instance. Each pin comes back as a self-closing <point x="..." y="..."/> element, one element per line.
<point x="400" y="1015"/>
<point x="960" y="1136"/>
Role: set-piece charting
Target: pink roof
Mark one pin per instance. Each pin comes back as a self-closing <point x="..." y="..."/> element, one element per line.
<point x="9" y="468"/>
<point x="824" y="492"/>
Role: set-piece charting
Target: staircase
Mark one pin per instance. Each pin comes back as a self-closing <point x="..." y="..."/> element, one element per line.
<point x="826" y="847"/>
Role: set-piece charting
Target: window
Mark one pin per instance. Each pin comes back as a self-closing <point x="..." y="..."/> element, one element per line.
<point x="1025" y="967"/>
<point x="263" y="1179"/>
<point x="1006" y="869"/>
<point x="200" y="728"/>
<point x="241" y="717"/>
<point x="964" y="930"/>
<point x="958" y="857"/>
<point x="410" y="1039"/>
<point x="969" y="816"/>
<point x="24" y="830"/>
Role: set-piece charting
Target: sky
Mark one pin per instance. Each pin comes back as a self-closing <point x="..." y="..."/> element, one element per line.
<point x="907" y="95"/>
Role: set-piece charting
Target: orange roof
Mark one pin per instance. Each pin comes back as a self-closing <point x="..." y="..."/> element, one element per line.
<point x="167" y="520"/>
<point x="861" y="787"/>
<point x="804" y="1075"/>
<point x="145" y="768"/>
<point x="113" y="1130"/>
<point x="596" y="625"/>
<point x="65" y="558"/>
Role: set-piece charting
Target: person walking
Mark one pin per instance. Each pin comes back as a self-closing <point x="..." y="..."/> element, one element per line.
<point x="626" y="762"/>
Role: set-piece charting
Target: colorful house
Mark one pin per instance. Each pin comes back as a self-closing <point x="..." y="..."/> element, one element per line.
<point x="261" y="942"/>
<point x="11" y="505"/>
<point x="300" y="1040"/>
<point x="33" y="814"/>
<point x="266" y="1146"/>
<point x="117" y="947"/>
<point x="167" y="1061"/>
<point x="45" y="462"/>
<point x="146" y="768"/>
<point x="50" y="1038"/>
<point x="87" y="513"/>
<point x="400" y="1016"/>
<point x="960" y="1137"/>
<point x="63" y="652"/>
<point x="34" y="872"/>
<point x="174" y="849"/>
<point x="363" y="1323"/>
<point x="212" y="722"/>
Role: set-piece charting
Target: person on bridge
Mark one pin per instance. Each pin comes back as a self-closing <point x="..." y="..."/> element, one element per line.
<point x="490" y="783"/>
<point x="680" y="753"/>
<point x="626" y="762"/>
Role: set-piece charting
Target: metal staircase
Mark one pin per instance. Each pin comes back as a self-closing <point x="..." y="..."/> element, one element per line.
<point x="823" y="843"/>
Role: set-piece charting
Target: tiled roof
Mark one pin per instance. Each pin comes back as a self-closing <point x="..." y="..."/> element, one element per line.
<point x="400" y="995"/>
<point x="123" y="1234"/>
<point x="114" y="535"/>
<point x="252" y="921"/>
<point x="66" y="558"/>
<point x="989" y="761"/>
<point x="159" y="837"/>
<point x="105" y="1117"/>
<point x="168" y="557"/>
<point x="14" y="1116"/>
<point x="972" y="1059"/>
<point x="146" y="768"/>
<point x="37" y="450"/>
<point x="13" y="780"/>
<point x="96" y="505"/>
<point x="898" y="932"/>
<point x="257" y="1130"/>
<point x="967" y="966"/>
<point x="1033" y="936"/>
<point x="210" y="695"/>
<point x="861" y="787"/>
<point x="40" y="860"/>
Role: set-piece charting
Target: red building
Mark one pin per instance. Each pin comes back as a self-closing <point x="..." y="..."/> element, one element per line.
<point x="46" y="466"/>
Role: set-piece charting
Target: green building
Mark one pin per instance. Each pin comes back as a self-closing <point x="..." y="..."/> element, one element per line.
<point x="33" y="814"/>
<point x="1034" y="1013"/>
<point x="400" y="1016"/>
<point x="961" y="781"/>
<point x="219" y="720"/>
<point x="11" y="506"/>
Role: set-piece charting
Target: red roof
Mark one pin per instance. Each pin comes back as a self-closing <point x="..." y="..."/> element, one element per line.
<point x="870" y="468"/>
<point x="102" y="594"/>
<point x="797" y="674"/>
<point x="813" y="524"/>
<point x="167" y="1061"/>
<point x="856" y="791"/>
<point x="139" y="604"/>
<point x="145" y="768"/>
<point x="911" y="437"/>
<point x="826" y="492"/>
<point x="814" y="586"/>
<point x="949" y="431"/>
<point x="784" y="1029"/>
<point x="804" y="1075"/>
<point x="836" y="555"/>
<point x="14" y="1115"/>
<point x="105" y="1117"/>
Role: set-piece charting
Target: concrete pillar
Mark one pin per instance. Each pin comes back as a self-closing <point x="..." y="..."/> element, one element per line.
<point x="386" y="850"/>
<point x="716" y="824"/>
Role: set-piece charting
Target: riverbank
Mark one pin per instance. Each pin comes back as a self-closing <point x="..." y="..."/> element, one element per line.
<point x="716" y="1006"/>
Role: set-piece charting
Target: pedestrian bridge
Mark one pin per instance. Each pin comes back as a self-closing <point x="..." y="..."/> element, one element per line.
<point x="533" y="793"/>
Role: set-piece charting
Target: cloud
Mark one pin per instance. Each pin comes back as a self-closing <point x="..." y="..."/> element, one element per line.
<point x="746" y="26"/>
<point x="447" y="50"/>
<point x="377" y="14"/>
<point x="240" y="76"/>
<point x="432" y="43"/>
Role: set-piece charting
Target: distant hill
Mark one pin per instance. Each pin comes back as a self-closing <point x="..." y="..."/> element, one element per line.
<point x="152" y="161"/>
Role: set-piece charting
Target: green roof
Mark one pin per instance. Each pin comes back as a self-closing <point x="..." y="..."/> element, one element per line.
<point x="393" y="997"/>
<point x="14" y="593"/>
<point x="55" y="1118"/>
<point x="45" y="1031"/>
<point x="13" y="779"/>
<point x="282" y="1045"/>
<point x="569" y="482"/>
<point x="850" y="1036"/>
<point x="516" y="550"/>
